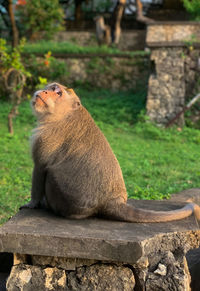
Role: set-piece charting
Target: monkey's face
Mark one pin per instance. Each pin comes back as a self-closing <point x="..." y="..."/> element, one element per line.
<point x="55" y="100"/>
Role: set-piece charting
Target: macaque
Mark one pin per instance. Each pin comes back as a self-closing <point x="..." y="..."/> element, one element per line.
<point x="103" y="32"/>
<point x="76" y="174"/>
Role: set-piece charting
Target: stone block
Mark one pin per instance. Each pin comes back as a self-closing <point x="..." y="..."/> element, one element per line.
<point x="172" y="33"/>
<point x="38" y="232"/>
<point x="97" y="277"/>
<point x="97" y="254"/>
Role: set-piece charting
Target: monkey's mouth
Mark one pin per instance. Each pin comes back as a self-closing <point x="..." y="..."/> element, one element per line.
<point x="39" y="97"/>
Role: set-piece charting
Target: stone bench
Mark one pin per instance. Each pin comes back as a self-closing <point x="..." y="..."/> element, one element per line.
<point x="53" y="253"/>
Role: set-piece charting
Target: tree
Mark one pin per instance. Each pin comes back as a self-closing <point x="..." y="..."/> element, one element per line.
<point x="15" y="34"/>
<point x="13" y="76"/>
<point x="107" y="34"/>
<point x="78" y="10"/>
<point x="41" y="15"/>
<point x="139" y="13"/>
<point x="4" y="13"/>
<point x="116" y="21"/>
<point x="8" y="17"/>
<point x="138" y="10"/>
<point x="193" y="7"/>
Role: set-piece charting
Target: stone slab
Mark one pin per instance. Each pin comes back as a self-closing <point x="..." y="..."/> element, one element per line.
<point x="38" y="232"/>
<point x="174" y="33"/>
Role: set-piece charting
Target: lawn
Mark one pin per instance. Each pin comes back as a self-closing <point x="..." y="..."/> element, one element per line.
<point x="155" y="162"/>
<point x="66" y="47"/>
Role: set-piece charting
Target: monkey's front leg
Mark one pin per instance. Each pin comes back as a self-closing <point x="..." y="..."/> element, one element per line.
<point x="38" y="188"/>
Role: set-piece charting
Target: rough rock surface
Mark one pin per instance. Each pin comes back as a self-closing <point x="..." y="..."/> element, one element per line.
<point x="176" y="277"/>
<point x="129" y="40"/>
<point x="166" y="89"/>
<point x="107" y="72"/>
<point x="172" y="32"/>
<point x="98" y="277"/>
<point x="59" y="262"/>
<point x="175" y="58"/>
<point x="31" y="278"/>
<point x="192" y="71"/>
<point x="101" y="277"/>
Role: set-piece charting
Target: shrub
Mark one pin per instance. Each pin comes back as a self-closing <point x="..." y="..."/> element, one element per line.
<point x="12" y="59"/>
<point x="193" y="7"/>
<point x="40" y="15"/>
<point x="47" y="68"/>
<point x="13" y="77"/>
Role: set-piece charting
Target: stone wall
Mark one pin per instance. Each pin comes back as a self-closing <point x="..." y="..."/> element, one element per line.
<point x="129" y="40"/>
<point x="192" y="71"/>
<point x="107" y="72"/>
<point x="173" y="82"/>
<point x="166" y="91"/>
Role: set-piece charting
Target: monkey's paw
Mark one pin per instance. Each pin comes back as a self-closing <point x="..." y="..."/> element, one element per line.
<point x="30" y="205"/>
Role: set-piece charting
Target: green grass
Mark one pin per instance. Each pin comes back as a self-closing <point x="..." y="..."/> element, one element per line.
<point x="43" y="47"/>
<point x="155" y="162"/>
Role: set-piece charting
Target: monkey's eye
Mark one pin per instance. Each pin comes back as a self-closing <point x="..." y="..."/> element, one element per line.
<point x="53" y="88"/>
<point x="59" y="93"/>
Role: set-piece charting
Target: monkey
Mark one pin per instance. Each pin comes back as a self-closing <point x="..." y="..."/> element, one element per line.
<point x="103" y="32"/>
<point x="76" y="174"/>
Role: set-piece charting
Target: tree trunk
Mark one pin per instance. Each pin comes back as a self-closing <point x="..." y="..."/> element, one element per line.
<point x="15" y="34"/>
<point x="116" y="20"/>
<point x="78" y="10"/>
<point x="139" y="13"/>
<point x="173" y="4"/>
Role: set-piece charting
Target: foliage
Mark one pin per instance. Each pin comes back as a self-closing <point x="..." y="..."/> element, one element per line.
<point x="193" y="7"/>
<point x="44" y="69"/>
<point x="42" y="83"/>
<point x="13" y="77"/>
<point x="90" y="9"/>
<point x="37" y="15"/>
<point x="42" y="47"/>
<point x="155" y="162"/>
<point x="12" y="59"/>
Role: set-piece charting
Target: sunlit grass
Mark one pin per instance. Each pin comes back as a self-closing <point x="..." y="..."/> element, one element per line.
<point x="69" y="47"/>
<point x="155" y="162"/>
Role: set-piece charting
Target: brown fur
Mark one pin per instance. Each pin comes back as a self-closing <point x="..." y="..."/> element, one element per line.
<point x="75" y="171"/>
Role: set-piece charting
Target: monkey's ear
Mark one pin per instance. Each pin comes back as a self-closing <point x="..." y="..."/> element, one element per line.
<point x="76" y="105"/>
<point x="70" y="91"/>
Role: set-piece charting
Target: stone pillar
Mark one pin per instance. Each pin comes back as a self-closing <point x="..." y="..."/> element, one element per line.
<point x="170" y="44"/>
<point x="166" y="88"/>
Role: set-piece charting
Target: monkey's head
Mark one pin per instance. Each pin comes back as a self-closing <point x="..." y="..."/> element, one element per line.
<point x="55" y="100"/>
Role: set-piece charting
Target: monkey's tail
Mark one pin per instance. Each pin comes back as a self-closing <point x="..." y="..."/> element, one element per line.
<point x="126" y="212"/>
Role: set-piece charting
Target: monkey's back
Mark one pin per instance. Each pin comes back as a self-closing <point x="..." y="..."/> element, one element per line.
<point x="83" y="172"/>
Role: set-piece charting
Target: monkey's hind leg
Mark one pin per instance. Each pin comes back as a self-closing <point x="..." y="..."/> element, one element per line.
<point x="82" y="213"/>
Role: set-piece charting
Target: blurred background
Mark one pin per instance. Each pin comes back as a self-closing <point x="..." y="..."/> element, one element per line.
<point x="135" y="65"/>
